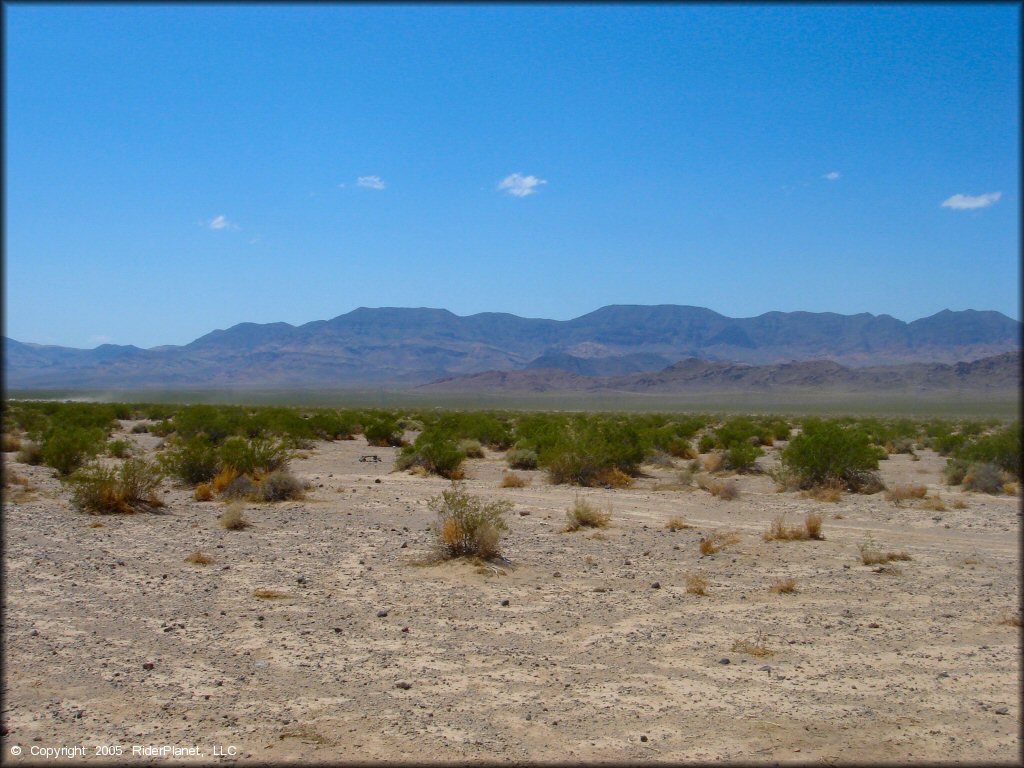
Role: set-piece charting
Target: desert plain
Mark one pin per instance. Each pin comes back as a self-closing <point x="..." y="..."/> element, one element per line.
<point x="580" y="646"/>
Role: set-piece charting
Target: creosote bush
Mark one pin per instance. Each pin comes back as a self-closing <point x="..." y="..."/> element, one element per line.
<point x="828" y="451"/>
<point x="984" y="478"/>
<point x="128" y="488"/>
<point x="583" y="514"/>
<point x="468" y="526"/>
<point x="521" y="458"/>
<point x="471" y="448"/>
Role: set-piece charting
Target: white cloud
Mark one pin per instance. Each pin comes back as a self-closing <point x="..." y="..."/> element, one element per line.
<point x="968" y="202"/>
<point x="832" y="176"/>
<point x="370" y="182"/>
<point x="220" y="222"/>
<point x="519" y="185"/>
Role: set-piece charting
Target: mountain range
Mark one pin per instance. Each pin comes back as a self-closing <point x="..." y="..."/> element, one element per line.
<point x="404" y="348"/>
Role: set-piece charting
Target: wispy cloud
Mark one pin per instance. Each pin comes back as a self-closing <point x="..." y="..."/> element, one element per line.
<point x="370" y="182"/>
<point x="220" y="222"/>
<point x="832" y="176"/>
<point x="969" y="202"/>
<point x="518" y="185"/>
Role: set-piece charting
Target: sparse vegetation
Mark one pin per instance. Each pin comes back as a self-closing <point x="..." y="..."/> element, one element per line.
<point x="677" y="523"/>
<point x="696" y="584"/>
<point x="101" y="490"/>
<point x="468" y="526"/>
<point x="270" y="594"/>
<point x="984" y="478"/>
<point x="717" y="541"/>
<point x="900" y="493"/>
<point x="199" y="558"/>
<point x="784" y="586"/>
<point x="830" y="452"/>
<point x="512" y="480"/>
<point x="583" y="514"/>
<point x="281" y="486"/>
<point x="521" y="458"/>
<point x="233" y="517"/>
<point x="780" y="531"/>
<point x="203" y="492"/>
<point x="757" y="647"/>
<point x="870" y="554"/>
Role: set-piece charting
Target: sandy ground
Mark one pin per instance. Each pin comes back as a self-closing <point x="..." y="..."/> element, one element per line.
<point x="112" y="640"/>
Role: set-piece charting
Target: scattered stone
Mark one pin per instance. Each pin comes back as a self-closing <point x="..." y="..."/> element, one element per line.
<point x="148" y="665"/>
<point x="405" y="629"/>
<point x="377" y="480"/>
<point x="643" y="738"/>
<point x="301" y="580"/>
<point x="1002" y="710"/>
<point x="403" y="685"/>
<point x="381" y="614"/>
<point x="723" y="661"/>
<point x="656" y="585"/>
<point x="504" y="602"/>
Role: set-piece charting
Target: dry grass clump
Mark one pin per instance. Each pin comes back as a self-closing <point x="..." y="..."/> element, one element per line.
<point x="281" y="485"/>
<point x="959" y="503"/>
<point x="784" y="586"/>
<point x="831" y="492"/>
<point x="1010" y="489"/>
<point x="717" y="541"/>
<point x="712" y="462"/>
<point x="727" y="490"/>
<point x="756" y="647"/>
<point x="199" y="558"/>
<point x="233" y="518"/>
<point x="223" y="479"/>
<point x="30" y="453"/>
<point x="203" y="492"/>
<point x="696" y="584"/>
<point x="11" y="443"/>
<point x="870" y="554"/>
<point x="1009" y="619"/>
<point x="585" y="515"/>
<point x="613" y="478"/>
<point x="899" y="493"/>
<point x="13" y="478"/>
<point x="677" y="523"/>
<point x="270" y="594"/>
<point x="934" y="503"/>
<point x="512" y="480"/>
<point x="780" y="531"/>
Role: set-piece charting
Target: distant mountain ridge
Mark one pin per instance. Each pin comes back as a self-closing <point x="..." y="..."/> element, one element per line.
<point x="403" y="347"/>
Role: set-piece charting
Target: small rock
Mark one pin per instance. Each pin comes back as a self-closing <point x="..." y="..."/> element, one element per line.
<point x="377" y="480"/>
<point x="1002" y="710"/>
<point x="337" y="630"/>
<point x="524" y="512"/>
<point x="301" y="580"/>
<point x="403" y="685"/>
<point x="723" y="661"/>
<point x="148" y="665"/>
<point x="942" y="675"/>
<point x="504" y="602"/>
<point x="529" y="716"/>
<point x="874" y="625"/>
<point x="656" y="585"/>
<point x="765" y="668"/>
<point x="405" y="629"/>
<point x="643" y="738"/>
<point x="556" y="575"/>
<point x="381" y="614"/>
<point x="404" y="545"/>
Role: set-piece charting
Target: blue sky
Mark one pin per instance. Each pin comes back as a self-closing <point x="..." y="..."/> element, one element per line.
<point x="174" y="169"/>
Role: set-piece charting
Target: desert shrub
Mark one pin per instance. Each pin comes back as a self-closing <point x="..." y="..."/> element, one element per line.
<point x="30" y="453"/>
<point x="203" y="492"/>
<point x="707" y="443"/>
<point x="956" y="470"/>
<point x="832" y="491"/>
<point x="241" y="487"/>
<point x="780" y="531"/>
<point x="900" y="445"/>
<point x="1001" y="449"/>
<point x="223" y="479"/>
<point x="471" y="448"/>
<point x="233" y="517"/>
<point x="256" y="456"/>
<point x="131" y="487"/>
<point x="383" y="431"/>
<point x="676" y="523"/>
<point x="468" y="526"/>
<point x="435" y="454"/>
<point x="583" y="514"/>
<point x="512" y="480"/>
<point x="12" y="443"/>
<point x="985" y="478"/>
<point x="934" y="503"/>
<point x="756" y="647"/>
<point x="280" y="485"/>
<point x="192" y="460"/>
<point x="199" y="558"/>
<point x="871" y="554"/>
<point x="521" y="458"/>
<point x="119" y="449"/>
<point x="140" y="429"/>
<point x="713" y="462"/>
<point x="741" y="456"/>
<point x="717" y="541"/>
<point x="332" y="425"/>
<point x="612" y="477"/>
<point x="68" y="449"/>
<point x="828" y="451"/>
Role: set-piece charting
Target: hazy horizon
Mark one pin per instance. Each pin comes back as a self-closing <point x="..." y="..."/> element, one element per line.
<point x="171" y="170"/>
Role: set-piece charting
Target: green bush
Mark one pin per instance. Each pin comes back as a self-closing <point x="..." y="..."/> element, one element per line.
<point x="707" y="443"/>
<point x="742" y="456"/>
<point x="468" y="526"/>
<point x="67" y="449"/>
<point x="119" y="449"/>
<point x="128" y="488"/>
<point x="383" y="432"/>
<point x="1001" y="448"/>
<point x="192" y="461"/>
<point x="256" y="456"/>
<point x="521" y="458"/>
<point x="829" y="452"/>
<point x="471" y="448"/>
